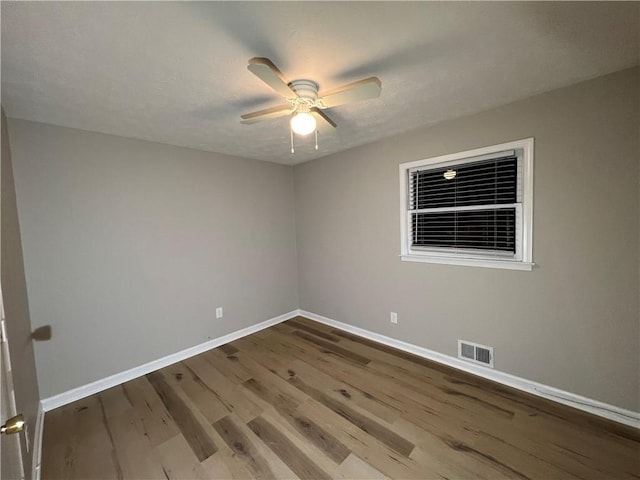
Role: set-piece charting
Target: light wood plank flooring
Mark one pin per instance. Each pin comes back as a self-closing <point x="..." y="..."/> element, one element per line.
<point x="303" y="400"/>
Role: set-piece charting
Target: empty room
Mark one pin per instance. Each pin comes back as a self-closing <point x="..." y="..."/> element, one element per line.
<point x="318" y="240"/>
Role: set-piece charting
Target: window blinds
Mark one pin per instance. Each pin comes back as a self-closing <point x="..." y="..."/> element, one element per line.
<point x="477" y="209"/>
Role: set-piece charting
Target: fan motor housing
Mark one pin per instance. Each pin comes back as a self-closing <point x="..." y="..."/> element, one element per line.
<point x="307" y="89"/>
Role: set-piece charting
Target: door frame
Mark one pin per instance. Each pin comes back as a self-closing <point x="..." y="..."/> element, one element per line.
<point x="11" y="442"/>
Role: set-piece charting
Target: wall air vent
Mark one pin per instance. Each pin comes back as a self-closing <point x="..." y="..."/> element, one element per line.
<point x="476" y="353"/>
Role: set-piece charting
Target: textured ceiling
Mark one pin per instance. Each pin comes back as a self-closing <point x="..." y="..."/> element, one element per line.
<point x="176" y="72"/>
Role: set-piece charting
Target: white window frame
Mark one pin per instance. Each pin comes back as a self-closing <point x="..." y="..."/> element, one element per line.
<point x="523" y="259"/>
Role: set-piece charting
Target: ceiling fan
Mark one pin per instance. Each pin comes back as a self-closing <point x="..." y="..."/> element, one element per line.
<point x="303" y="103"/>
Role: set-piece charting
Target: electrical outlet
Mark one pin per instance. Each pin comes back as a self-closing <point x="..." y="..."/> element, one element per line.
<point x="219" y="312"/>
<point x="394" y="317"/>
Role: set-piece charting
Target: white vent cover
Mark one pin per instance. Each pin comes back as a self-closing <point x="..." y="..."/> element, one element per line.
<point x="476" y="353"/>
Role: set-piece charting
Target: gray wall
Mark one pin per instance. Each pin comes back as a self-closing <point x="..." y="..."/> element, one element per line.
<point x="131" y="245"/>
<point x="16" y="309"/>
<point x="573" y="322"/>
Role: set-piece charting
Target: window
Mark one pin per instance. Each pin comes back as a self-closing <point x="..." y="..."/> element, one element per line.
<point x="470" y="208"/>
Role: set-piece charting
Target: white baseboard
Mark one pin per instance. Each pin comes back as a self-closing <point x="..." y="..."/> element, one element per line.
<point x="37" y="444"/>
<point x="118" y="378"/>
<point x="611" y="412"/>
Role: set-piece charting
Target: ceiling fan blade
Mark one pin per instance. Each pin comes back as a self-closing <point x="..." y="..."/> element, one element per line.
<point x="353" y="92"/>
<point x="266" y="71"/>
<point x="323" y="122"/>
<point x="266" y="114"/>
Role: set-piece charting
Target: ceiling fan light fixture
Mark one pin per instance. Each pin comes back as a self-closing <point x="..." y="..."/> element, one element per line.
<point x="302" y="99"/>
<point x="303" y="123"/>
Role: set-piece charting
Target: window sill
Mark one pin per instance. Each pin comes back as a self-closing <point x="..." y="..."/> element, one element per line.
<point x="470" y="262"/>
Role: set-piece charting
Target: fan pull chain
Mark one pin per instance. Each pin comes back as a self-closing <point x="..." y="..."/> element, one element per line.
<point x="292" y="145"/>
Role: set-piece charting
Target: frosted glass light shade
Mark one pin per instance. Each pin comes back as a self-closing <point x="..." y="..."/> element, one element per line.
<point x="303" y="123"/>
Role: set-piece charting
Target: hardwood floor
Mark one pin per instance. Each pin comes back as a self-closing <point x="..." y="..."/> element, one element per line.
<point x="302" y="400"/>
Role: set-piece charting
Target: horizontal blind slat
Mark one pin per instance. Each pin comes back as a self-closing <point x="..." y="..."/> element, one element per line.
<point x="494" y="181"/>
<point x="481" y="229"/>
